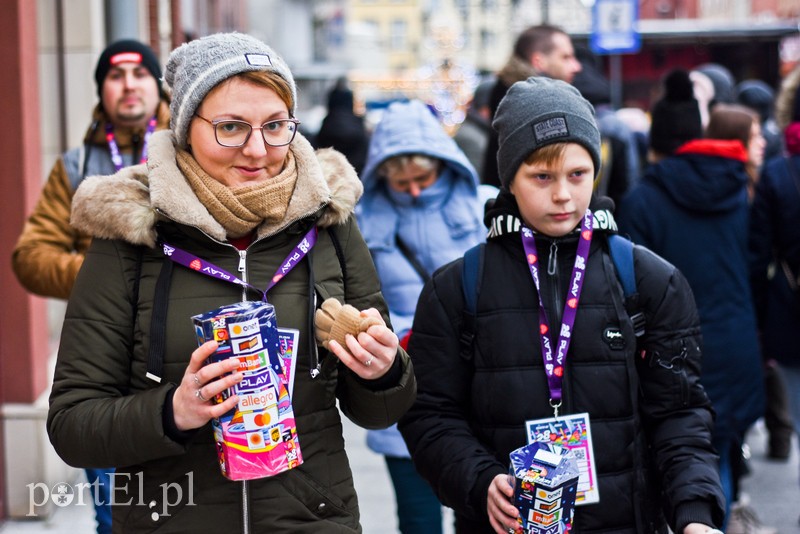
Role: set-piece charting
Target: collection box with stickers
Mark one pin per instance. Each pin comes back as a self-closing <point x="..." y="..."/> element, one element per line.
<point x="545" y="479"/>
<point x="257" y="438"/>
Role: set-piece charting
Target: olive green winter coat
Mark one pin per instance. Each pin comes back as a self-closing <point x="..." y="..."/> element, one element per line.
<point x="104" y="411"/>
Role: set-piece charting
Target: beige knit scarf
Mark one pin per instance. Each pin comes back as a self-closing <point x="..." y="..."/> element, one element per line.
<point x="240" y="210"/>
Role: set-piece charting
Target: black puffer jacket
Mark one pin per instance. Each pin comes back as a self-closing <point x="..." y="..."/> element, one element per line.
<point x="651" y="426"/>
<point x="106" y="411"/>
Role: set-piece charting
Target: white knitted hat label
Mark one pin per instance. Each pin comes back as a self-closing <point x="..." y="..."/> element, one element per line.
<point x="550" y="128"/>
<point x="258" y="60"/>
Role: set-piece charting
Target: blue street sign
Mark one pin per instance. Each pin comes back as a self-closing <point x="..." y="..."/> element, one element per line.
<point x="614" y="27"/>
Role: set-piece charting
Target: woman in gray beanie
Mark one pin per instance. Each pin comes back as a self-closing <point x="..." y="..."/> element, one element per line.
<point x="549" y="351"/>
<point x="230" y="188"/>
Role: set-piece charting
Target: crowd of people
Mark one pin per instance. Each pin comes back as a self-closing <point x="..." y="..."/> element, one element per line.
<point x="481" y="269"/>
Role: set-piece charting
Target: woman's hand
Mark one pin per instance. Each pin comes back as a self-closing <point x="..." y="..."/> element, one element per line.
<point x="502" y="514"/>
<point x="372" y="353"/>
<point x="191" y="403"/>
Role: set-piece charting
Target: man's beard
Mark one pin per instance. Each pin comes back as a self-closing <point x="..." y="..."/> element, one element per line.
<point x="131" y="117"/>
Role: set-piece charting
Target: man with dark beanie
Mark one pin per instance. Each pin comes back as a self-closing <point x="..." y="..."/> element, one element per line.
<point x="49" y="251"/>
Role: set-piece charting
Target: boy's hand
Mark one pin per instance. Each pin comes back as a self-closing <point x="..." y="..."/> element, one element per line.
<point x="502" y="514"/>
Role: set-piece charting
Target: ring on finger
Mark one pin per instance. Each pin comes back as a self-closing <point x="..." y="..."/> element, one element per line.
<point x="200" y="396"/>
<point x="197" y="381"/>
<point x="369" y="361"/>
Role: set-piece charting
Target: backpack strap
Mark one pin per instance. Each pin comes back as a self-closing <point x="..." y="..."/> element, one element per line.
<point x="406" y="251"/>
<point x="471" y="275"/>
<point x="317" y="294"/>
<point x="337" y="246"/>
<point x="158" y="322"/>
<point x="621" y="250"/>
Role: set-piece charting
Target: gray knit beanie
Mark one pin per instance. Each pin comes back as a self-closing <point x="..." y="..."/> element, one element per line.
<point x="195" y="68"/>
<point x="538" y="112"/>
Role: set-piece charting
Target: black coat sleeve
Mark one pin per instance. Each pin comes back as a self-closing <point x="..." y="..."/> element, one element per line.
<point x="443" y="447"/>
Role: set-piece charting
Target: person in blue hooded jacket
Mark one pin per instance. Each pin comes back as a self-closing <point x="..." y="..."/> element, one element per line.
<point x="422" y="208"/>
<point x="691" y="208"/>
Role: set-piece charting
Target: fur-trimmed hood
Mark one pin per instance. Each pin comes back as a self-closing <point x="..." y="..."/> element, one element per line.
<point x="128" y="204"/>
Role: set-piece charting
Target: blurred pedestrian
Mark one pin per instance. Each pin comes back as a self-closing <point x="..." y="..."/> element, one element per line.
<point x="649" y="417"/>
<point x="723" y="81"/>
<point x="674" y="118"/>
<point x="342" y="129"/>
<point x="472" y="136"/>
<point x="50" y="252"/>
<point x="740" y="123"/>
<point x="713" y="84"/>
<point x="422" y="207"/>
<point x="758" y="96"/>
<point x="542" y="50"/>
<point x="775" y="249"/>
<point x="620" y="166"/>
<point x="703" y="90"/>
<point x="691" y="208"/>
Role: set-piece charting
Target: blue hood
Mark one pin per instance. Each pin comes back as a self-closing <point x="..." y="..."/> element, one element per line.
<point x="411" y="128"/>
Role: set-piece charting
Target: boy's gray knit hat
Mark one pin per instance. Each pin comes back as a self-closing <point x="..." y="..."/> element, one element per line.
<point x="196" y="67"/>
<point x="538" y="112"/>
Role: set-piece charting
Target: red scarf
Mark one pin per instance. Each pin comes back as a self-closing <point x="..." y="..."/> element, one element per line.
<point x="723" y="148"/>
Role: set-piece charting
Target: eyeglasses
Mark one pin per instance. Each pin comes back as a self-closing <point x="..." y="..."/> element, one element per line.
<point x="233" y="134"/>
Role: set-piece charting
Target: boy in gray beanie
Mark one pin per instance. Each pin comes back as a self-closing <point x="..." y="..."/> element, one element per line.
<point x="540" y="111"/>
<point x="531" y="337"/>
<point x="196" y="67"/>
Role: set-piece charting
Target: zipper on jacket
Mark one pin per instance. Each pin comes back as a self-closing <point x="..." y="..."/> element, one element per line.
<point x="555" y="286"/>
<point x="552" y="260"/>
<point x="245" y="507"/>
<point x="242" y="267"/>
<point x="243" y="270"/>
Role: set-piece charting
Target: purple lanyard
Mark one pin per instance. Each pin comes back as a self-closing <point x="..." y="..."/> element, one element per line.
<point x="209" y="269"/>
<point x="554" y="366"/>
<point x="116" y="157"/>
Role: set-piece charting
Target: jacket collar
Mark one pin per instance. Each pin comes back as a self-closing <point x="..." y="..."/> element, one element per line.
<point x="503" y="217"/>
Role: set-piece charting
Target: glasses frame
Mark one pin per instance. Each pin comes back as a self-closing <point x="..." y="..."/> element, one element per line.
<point x="215" y="122"/>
